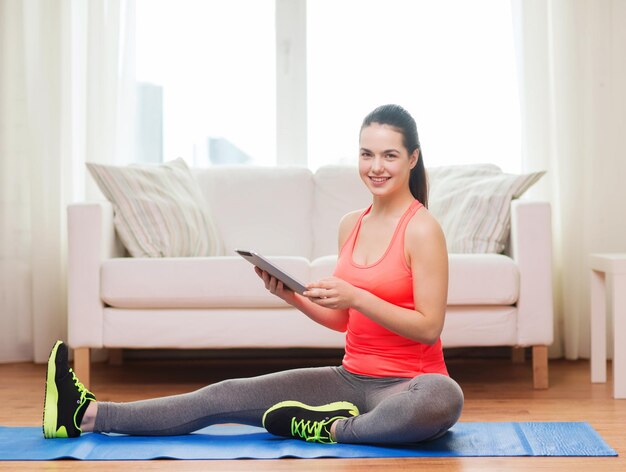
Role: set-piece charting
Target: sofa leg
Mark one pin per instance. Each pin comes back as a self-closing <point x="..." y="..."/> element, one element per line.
<point x="540" y="367"/>
<point x="82" y="365"/>
<point x="518" y="354"/>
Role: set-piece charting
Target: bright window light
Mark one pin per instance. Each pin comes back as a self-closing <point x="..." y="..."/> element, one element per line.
<point x="206" y="73"/>
<point x="450" y="63"/>
<point x="208" y="68"/>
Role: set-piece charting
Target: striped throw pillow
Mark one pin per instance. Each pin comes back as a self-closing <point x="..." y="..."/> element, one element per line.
<point x="473" y="205"/>
<point x="159" y="210"/>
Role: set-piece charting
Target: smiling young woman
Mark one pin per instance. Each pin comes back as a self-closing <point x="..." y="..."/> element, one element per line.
<point x="388" y="293"/>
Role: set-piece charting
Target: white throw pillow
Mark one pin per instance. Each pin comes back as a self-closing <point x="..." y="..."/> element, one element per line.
<point x="159" y="209"/>
<point x="473" y="202"/>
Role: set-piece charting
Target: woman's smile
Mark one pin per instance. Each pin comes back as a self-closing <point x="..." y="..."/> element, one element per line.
<point x="378" y="181"/>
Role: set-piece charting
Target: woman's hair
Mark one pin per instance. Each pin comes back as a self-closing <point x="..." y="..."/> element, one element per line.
<point x="400" y="119"/>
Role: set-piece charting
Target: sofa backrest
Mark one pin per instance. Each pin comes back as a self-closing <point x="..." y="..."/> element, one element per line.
<point x="287" y="211"/>
<point x="265" y="209"/>
<point x="338" y="190"/>
<point x="290" y="211"/>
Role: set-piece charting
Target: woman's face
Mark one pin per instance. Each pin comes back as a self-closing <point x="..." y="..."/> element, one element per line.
<point x="384" y="163"/>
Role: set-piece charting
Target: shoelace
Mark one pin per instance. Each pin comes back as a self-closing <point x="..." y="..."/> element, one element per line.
<point x="81" y="388"/>
<point x="81" y="401"/>
<point x="312" y="430"/>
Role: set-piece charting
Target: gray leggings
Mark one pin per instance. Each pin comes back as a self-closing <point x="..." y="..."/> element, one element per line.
<point x="393" y="410"/>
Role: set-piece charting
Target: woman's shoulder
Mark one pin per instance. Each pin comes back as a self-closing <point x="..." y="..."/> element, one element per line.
<point x="350" y="219"/>
<point x="424" y="227"/>
<point x="347" y="223"/>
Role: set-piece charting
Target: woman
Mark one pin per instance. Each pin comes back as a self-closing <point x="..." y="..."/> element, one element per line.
<point x="388" y="293"/>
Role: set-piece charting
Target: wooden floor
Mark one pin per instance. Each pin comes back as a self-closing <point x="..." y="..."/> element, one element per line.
<point x="495" y="390"/>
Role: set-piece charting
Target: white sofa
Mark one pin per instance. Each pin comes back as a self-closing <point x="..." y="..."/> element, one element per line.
<point x="291" y="215"/>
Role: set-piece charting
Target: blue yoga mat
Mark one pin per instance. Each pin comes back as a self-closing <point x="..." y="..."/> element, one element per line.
<point x="247" y="442"/>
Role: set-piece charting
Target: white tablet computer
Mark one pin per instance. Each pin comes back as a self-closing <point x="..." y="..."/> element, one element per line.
<point x="269" y="267"/>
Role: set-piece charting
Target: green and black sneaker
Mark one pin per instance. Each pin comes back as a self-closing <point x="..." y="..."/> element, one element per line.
<point x="296" y="420"/>
<point x="66" y="398"/>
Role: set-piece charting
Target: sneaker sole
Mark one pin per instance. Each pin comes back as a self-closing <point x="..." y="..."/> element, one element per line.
<point x="51" y="397"/>
<point x="330" y="407"/>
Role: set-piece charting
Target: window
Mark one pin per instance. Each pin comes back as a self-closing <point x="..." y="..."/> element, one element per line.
<point x="450" y="63"/>
<point x="207" y="80"/>
<point x="205" y="73"/>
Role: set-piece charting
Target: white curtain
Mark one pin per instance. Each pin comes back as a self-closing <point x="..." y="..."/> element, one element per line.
<point x="571" y="57"/>
<point x="64" y="99"/>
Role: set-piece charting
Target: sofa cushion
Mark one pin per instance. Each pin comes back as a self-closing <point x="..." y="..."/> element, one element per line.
<point x="263" y="209"/>
<point x="473" y="202"/>
<point x="474" y="279"/>
<point x="159" y="210"/>
<point x="218" y="282"/>
<point x="482" y="279"/>
<point x="194" y="282"/>
<point x="322" y="267"/>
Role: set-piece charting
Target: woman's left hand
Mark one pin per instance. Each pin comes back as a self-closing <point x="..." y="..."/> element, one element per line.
<point x="332" y="292"/>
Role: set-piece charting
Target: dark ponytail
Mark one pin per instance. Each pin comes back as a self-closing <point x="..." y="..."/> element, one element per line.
<point x="400" y="119"/>
<point x="418" y="182"/>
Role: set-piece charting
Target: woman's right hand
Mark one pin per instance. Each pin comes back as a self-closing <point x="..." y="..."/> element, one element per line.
<point x="275" y="286"/>
<point x="333" y="319"/>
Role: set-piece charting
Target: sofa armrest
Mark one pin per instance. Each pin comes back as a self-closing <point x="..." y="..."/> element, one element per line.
<point x="531" y="248"/>
<point x="91" y="240"/>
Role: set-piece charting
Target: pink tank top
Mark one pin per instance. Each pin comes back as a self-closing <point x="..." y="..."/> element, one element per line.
<point x="371" y="349"/>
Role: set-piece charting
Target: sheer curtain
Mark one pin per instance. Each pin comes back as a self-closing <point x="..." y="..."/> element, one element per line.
<point x="62" y="76"/>
<point x="572" y="70"/>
